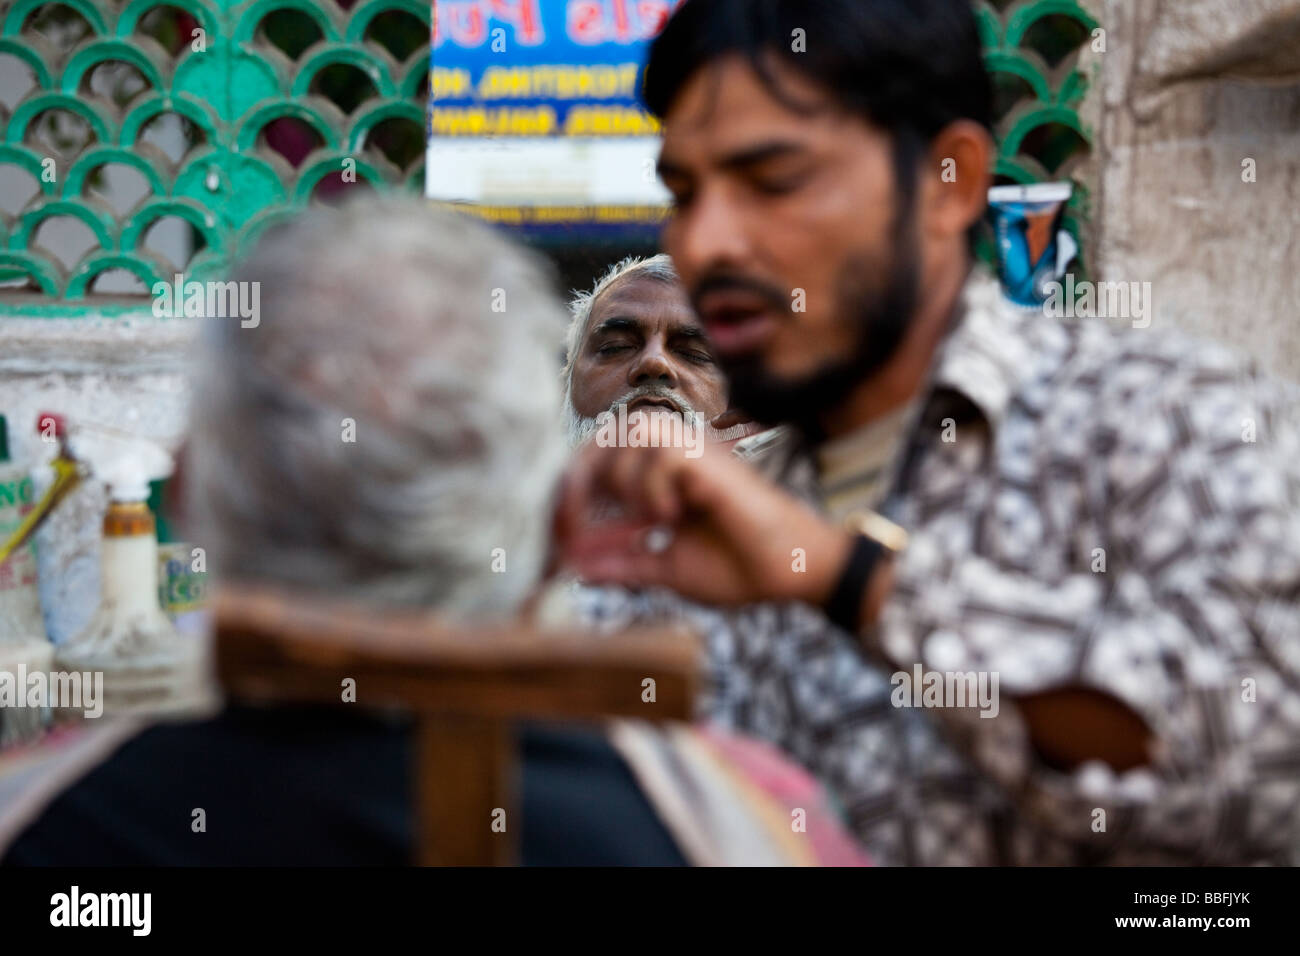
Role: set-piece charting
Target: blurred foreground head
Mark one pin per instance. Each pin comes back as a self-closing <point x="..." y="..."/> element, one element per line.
<point x="390" y="421"/>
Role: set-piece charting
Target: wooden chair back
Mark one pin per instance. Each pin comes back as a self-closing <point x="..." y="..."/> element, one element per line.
<point x="466" y="687"/>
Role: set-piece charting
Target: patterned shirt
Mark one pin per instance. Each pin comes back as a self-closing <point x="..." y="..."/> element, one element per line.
<point x="1116" y="509"/>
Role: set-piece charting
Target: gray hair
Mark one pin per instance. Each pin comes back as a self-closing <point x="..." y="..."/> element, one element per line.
<point x="658" y="267"/>
<point x="435" y="340"/>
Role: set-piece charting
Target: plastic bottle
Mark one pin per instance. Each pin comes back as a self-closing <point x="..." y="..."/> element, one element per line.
<point x="147" y="666"/>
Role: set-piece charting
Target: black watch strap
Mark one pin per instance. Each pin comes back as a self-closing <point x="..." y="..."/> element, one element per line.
<point x="844" y="606"/>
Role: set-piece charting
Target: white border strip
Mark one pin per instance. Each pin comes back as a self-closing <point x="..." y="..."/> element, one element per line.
<point x="552" y="171"/>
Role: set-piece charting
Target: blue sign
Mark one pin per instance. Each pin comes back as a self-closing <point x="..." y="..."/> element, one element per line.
<point x="533" y="115"/>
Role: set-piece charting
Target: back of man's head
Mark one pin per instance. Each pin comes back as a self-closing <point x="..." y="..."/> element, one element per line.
<point x="386" y="432"/>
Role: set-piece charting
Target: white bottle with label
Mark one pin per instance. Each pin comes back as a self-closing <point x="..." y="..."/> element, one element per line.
<point x="147" y="667"/>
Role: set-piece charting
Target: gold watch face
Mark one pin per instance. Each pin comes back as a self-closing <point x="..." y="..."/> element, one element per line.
<point x="890" y="536"/>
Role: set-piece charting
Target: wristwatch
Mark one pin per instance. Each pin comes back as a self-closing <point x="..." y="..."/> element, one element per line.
<point x="879" y="528"/>
<point x="874" y="535"/>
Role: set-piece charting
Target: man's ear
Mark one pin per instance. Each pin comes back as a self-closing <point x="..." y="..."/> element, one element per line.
<point x="956" y="183"/>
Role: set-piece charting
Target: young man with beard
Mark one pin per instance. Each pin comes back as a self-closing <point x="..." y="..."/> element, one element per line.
<point x="1103" y="524"/>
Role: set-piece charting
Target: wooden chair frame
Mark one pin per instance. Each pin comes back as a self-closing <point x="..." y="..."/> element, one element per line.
<point x="466" y="687"/>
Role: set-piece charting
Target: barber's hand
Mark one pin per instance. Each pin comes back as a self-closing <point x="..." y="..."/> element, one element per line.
<point x="709" y="528"/>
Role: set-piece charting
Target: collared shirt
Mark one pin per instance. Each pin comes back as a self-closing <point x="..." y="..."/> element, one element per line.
<point x="1090" y="507"/>
<point x="855" y="471"/>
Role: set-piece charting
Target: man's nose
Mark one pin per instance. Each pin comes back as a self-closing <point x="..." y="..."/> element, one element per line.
<point x="653" y="366"/>
<point x="710" y="235"/>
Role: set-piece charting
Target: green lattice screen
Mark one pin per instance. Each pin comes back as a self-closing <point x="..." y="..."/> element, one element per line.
<point x="329" y="72"/>
<point x="230" y="182"/>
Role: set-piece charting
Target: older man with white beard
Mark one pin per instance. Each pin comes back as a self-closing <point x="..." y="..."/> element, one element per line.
<point x="639" y="372"/>
<point x="639" y="369"/>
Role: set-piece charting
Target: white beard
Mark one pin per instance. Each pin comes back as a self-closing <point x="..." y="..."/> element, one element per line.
<point x="579" y="429"/>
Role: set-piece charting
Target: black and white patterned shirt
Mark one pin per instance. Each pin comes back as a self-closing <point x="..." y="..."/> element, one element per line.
<point x="1112" y="509"/>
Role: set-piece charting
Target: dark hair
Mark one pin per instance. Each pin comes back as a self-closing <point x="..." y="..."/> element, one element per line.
<point x="908" y="67"/>
<point x="901" y="64"/>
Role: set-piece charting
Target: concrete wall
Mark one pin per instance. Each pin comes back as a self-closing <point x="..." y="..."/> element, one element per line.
<point x="1186" y="91"/>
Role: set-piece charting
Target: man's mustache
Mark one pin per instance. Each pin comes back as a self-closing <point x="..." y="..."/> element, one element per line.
<point x="655" y="390"/>
<point x="733" y="282"/>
